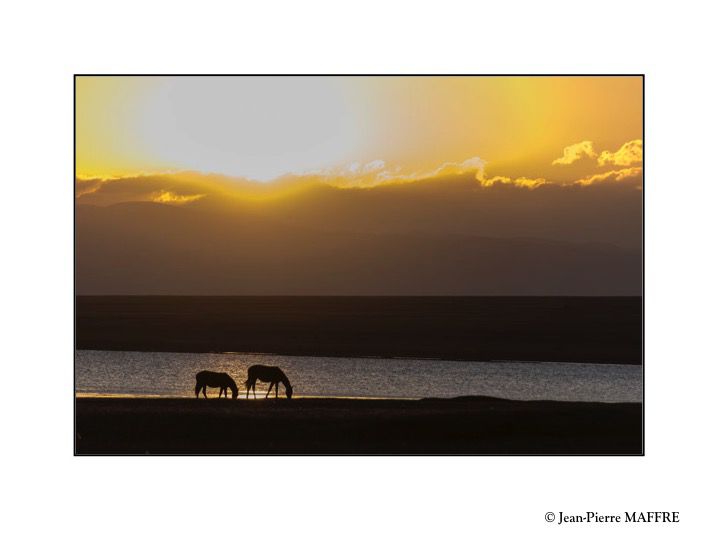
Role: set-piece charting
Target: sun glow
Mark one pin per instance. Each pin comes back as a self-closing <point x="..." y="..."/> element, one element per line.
<point x="266" y="128"/>
<point x="256" y="127"/>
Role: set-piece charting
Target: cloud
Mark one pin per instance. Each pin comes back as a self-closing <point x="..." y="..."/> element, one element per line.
<point x="168" y="197"/>
<point x="575" y="152"/>
<point x="522" y="182"/>
<point x="629" y="153"/>
<point x="175" y="188"/>
<point x="631" y="173"/>
<point x="474" y="165"/>
<point x="354" y="169"/>
<point x="189" y="188"/>
<point x="86" y="186"/>
<point x="378" y="172"/>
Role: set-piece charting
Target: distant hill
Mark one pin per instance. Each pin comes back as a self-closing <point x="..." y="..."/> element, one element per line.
<point x="201" y="249"/>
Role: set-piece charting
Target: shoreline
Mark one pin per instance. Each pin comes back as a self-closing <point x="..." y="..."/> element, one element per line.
<point x="99" y="395"/>
<point x="398" y="358"/>
<point x="465" y="425"/>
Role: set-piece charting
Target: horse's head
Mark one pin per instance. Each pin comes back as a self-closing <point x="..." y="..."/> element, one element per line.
<point x="288" y="391"/>
<point x="234" y="392"/>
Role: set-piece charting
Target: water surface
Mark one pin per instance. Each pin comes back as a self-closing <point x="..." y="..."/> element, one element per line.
<point x="166" y="374"/>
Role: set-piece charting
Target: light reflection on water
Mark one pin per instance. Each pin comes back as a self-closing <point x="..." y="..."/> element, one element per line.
<point x="164" y="374"/>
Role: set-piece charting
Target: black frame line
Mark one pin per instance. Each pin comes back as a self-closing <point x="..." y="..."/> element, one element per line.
<point x="572" y="75"/>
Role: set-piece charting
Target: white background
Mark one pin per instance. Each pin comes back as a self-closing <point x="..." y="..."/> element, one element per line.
<point x="48" y="493"/>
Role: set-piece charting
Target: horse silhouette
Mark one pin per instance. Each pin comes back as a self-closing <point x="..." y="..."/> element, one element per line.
<point x="272" y="374"/>
<point x="215" y="380"/>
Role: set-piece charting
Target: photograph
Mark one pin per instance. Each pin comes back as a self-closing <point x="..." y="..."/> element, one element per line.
<point x="359" y="264"/>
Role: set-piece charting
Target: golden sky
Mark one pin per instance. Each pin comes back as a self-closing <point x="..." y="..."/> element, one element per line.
<point x="374" y="128"/>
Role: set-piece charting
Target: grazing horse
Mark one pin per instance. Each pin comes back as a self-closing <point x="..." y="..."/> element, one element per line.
<point x="272" y="374"/>
<point x="215" y="380"/>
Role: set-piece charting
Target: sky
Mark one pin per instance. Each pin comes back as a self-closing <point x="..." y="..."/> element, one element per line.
<point x="359" y="185"/>
<point x="264" y="128"/>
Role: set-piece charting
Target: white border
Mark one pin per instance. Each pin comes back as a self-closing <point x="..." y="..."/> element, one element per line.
<point x="50" y="493"/>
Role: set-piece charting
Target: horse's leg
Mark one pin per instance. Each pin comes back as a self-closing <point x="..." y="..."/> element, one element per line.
<point x="220" y="394"/>
<point x="204" y="391"/>
<point x="276" y="389"/>
<point x="254" y="394"/>
<point x="268" y="392"/>
<point x="197" y="391"/>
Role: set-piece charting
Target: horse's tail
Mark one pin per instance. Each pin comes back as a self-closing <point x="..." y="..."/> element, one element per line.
<point x="247" y="384"/>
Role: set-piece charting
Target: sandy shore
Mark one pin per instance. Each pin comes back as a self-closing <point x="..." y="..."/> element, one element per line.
<point x="474" y="425"/>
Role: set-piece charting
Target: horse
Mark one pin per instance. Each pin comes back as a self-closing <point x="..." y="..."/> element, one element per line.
<point x="215" y="380"/>
<point x="272" y="374"/>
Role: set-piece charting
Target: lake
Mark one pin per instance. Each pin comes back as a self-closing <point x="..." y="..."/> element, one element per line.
<point x="168" y="374"/>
